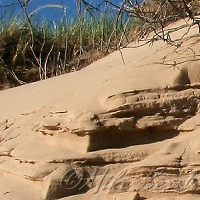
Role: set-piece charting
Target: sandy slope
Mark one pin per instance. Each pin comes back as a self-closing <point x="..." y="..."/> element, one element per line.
<point x="149" y="106"/>
<point x="78" y="91"/>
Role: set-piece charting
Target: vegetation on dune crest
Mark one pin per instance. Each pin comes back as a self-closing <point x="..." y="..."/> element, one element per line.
<point x="32" y="49"/>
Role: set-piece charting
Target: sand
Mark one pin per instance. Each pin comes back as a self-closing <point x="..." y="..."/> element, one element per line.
<point x="131" y="127"/>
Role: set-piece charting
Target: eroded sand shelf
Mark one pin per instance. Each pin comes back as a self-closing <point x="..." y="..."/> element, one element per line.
<point x="109" y="131"/>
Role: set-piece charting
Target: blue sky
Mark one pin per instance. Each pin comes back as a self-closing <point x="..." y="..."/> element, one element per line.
<point x="53" y="13"/>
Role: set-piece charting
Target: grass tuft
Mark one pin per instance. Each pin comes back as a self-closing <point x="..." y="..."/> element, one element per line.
<point x="32" y="49"/>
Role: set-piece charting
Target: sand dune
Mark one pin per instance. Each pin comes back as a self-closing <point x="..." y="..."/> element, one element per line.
<point x="112" y="130"/>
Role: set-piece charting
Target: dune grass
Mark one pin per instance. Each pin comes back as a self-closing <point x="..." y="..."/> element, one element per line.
<point x="32" y="49"/>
